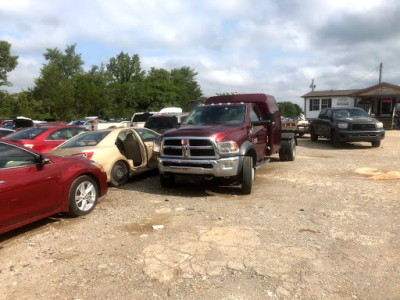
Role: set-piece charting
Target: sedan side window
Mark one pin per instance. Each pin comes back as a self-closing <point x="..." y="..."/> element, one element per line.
<point x="14" y="157"/>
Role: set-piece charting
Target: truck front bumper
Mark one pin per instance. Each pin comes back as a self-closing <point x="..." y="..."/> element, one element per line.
<point x="223" y="167"/>
<point x="361" y="136"/>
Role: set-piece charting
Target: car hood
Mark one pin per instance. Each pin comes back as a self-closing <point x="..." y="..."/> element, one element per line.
<point x="58" y="159"/>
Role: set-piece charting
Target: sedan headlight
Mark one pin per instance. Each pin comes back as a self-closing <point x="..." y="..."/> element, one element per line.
<point x="98" y="165"/>
<point x="379" y="125"/>
<point x="343" y="125"/>
<point x="28" y="145"/>
<point x="228" y="148"/>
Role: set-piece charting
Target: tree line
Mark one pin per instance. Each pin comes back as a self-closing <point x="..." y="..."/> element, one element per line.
<point x="65" y="91"/>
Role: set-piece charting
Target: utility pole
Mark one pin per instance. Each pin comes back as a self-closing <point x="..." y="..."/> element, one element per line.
<point x="380" y="73"/>
<point x="312" y="86"/>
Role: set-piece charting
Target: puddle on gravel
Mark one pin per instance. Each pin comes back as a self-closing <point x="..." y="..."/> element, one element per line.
<point x="146" y="226"/>
<point x="374" y="174"/>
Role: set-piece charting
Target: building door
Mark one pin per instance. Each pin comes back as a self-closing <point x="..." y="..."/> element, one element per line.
<point x="386" y="104"/>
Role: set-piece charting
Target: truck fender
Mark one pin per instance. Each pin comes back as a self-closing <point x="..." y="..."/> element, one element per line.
<point x="246" y="148"/>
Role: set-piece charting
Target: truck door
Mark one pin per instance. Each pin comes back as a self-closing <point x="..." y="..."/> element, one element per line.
<point x="258" y="134"/>
<point x="322" y="125"/>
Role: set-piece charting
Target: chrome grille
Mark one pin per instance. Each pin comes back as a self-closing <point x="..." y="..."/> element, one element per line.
<point x="189" y="147"/>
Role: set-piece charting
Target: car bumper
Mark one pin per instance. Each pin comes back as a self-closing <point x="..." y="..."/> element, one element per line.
<point x="223" y="167"/>
<point x="360" y="136"/>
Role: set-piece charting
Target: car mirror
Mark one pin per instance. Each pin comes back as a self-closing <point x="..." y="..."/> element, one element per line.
<point x="40" y="161"/>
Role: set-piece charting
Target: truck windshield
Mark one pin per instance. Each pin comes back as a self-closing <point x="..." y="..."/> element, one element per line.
<point x="213" y="114"/>
<point x="349" y="113"/>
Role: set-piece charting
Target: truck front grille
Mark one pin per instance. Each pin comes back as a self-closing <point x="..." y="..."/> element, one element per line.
<point x="200" y="148"/>
<point x="363" y="127"/>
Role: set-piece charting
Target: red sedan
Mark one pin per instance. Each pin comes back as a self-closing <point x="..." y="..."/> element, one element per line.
<point x="44" y="138"/>
<point x="34" y="186"/>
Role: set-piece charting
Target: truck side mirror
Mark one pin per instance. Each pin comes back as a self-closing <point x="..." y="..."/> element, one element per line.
<point x="269" y="120"/>
<point x="269" y="116"/>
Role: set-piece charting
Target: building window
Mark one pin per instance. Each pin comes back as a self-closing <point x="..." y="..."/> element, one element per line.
<point x="314" y="104"/>
<point x="326" y="103"/>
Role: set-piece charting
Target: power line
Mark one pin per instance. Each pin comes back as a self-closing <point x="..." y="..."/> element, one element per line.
<point x="362" y="77"/>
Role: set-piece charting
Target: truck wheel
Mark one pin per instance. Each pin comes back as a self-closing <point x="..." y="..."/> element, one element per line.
<point x="167" y="181"/>
<point x="314" y="137"/>
<point x="247" y="175"/>
<point x="119" y="174"/>
<point x="376" y="143"/>
<point x="288" y="154"/>
<point x="334" y="140"/>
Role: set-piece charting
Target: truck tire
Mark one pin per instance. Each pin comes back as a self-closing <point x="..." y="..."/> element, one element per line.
<point x="335" y="140"/>
<point x="247" y="175"/>
<point x="288" y="154"/>
<point x="313" y="136"/>
<point x="167" y="181"/>
<point x="376" y="143"/>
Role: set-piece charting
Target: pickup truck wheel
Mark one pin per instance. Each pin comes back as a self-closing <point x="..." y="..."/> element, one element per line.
<point x="167" y="181"/>
<point x="376" y="143"/>
<point x="288" y="154"/>
<point x="314" y="137"/>
<point x="247" y="175"/>
<point x="334" y="140"/>
<point x="119" y="174"/>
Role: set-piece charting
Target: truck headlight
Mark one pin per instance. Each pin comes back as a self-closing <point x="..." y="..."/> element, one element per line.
<point x="343" y="125"/>
<point x="379" y="125"/>
<point x="228" y="148"/>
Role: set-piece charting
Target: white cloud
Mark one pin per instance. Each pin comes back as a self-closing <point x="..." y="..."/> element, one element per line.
<point x="243" y="46"/>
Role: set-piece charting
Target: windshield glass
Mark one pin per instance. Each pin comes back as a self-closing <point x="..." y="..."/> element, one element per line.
<point x="27" y="134"/>
<point x="86" y="139"/>
<point x="228" y="114"/>
<point x="160" y="122"/>
<point x="349" y="113"/>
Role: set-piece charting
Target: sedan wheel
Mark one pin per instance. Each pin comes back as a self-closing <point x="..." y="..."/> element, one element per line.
<point x="83" y="196"/>
<point x="119" y="174"/>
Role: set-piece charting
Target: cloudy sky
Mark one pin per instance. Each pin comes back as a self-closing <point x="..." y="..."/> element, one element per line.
<point x="267" y="46"/>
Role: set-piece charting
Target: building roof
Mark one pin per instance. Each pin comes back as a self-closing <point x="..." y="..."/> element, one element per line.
<point x="383" y="88"/>
<point x="331" y="93"/>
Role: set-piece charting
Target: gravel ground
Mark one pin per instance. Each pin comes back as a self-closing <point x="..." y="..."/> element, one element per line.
<point x="325" y="226"/>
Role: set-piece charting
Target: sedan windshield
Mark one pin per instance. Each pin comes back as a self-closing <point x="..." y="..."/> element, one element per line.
<point x="86" y="139"/>
<point x="227" y="114"/>
<point x="27" y="134"/>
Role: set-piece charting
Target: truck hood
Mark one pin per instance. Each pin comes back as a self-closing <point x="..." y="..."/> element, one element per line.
<point x="357" y="120"/>
<point x="220" y="132"/>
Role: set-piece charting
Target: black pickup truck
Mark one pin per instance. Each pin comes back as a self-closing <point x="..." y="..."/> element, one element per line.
<point x="347" y="125"/>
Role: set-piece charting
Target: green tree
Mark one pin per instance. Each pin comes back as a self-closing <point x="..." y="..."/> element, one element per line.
<point x="92" y="95"/>
<point x="55" y="86"/>
<point x="158" y="90"/>
<point x="289" y="109"/>
<point x="7" y="62"/>
<point x="186" y="86"/>
<point x="126" y="75"/>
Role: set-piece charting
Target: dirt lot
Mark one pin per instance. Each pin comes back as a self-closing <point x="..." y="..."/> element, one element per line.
<point x="324" y="226"/>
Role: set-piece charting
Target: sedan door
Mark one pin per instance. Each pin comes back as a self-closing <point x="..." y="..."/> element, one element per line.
<point x="26" y="191"/>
